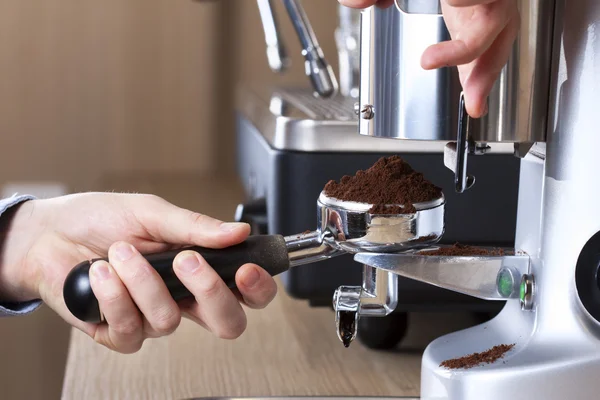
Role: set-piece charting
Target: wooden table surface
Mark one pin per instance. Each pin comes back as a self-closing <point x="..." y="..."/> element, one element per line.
<point x="288" y="348"/>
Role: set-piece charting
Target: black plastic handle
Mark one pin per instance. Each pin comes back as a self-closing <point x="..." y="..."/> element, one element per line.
<point x="267" y="251"/>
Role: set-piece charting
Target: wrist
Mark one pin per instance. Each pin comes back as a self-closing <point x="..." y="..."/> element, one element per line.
<point x="18" y="230"/>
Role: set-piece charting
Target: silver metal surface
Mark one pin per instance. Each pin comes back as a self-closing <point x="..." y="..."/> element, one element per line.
<point x="307" y="248"/>
<point x="419" y="6"/>
<point x="293" y="119"/>
<point x="557" y="344"/>
<point x="379" y="296"/>
<point x="276" y="54"/>
<point x="346" y="303"/>
<point x="347" y="39"/>
<point x="351" y="228"/>
<point x="475" y="276"/>
<point x="412" y="103"/>
<point x="317" y="69"/>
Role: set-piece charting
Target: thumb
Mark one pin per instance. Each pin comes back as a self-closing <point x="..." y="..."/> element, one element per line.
<point x="167" y="223"/>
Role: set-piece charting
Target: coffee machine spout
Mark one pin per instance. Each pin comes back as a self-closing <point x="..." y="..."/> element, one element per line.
<point x="378" y="297"/>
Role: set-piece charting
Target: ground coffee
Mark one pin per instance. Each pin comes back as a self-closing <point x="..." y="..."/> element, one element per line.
<point x="464" y="250"/>
<point x="390" y="181"/>
<point x="472" y="360"/>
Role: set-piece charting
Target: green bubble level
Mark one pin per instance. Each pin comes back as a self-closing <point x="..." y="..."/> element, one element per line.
<point x="505" y="283"/>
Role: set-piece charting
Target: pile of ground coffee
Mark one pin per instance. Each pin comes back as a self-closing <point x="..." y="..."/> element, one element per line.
<point x="463" y="250"/>
<point x="472" y="360"/>
<point x="390" y="181"/>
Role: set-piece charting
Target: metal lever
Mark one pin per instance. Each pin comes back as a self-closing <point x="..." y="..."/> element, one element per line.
<point x="316" y="67"/>
<point x="455" y="153"/>
<point x="276" y="54"/>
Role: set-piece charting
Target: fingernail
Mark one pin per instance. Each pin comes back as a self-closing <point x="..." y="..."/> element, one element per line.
<point x="251" y="278"/>
<point x="100" y="271"/>
<point x="485" y="108"/>
<point x="232" y="226"/>
<point x="124" y="251"/>
<point x="188" y="263"/>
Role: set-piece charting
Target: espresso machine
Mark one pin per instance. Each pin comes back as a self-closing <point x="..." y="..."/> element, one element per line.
<point x="543" y="108"/>
<point x="292" y="140"/>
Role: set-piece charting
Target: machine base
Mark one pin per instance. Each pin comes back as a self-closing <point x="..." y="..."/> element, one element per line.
<point x="540" y="366"/>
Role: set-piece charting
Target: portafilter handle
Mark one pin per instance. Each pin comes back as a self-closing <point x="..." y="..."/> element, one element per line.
<point x="268" y="251"/>
<point x="274" y="253"/>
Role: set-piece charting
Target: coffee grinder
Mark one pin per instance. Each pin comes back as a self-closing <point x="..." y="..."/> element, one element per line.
<point x="544" y="104"/>
<point x="292" y="140"/>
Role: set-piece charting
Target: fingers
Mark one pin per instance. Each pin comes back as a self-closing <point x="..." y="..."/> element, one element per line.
<point x="124" y="331"/>
<point x="255" y="285"/>
<point x="147" y="289"/>
<point x="484" y="25"/>
<point x="357" y="3"/>
<point x="484" y="73"/>
<point x="216" y="306"/>
<point x="168" y="223"/>
<point x="134" y="300"/>
<point x="366" y="3"/>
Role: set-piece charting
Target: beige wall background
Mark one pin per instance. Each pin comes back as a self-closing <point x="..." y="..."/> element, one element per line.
<point x="90" y="90"/>
<point x="95" y="88"/>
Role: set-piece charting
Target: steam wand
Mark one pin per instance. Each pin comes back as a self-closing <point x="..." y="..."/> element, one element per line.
<point x="316" y="67"/>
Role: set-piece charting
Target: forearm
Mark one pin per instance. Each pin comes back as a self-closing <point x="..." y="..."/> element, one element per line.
<point x="11" y="309"/>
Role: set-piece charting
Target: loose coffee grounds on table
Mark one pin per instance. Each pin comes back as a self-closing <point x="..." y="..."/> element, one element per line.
<point x="390" y="181"/>
<point x="472" y="360"/>
<point x="465" y="251"/>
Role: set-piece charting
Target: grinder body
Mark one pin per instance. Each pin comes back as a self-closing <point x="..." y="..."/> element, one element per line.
<point x="544" y="104"/>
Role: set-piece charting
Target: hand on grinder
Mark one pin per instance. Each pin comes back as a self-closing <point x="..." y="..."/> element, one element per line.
<point x="482" y="31"/>
<point x="44" y="239"/>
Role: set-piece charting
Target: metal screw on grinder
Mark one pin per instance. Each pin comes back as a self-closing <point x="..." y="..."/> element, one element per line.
<point x="367" y="112"/>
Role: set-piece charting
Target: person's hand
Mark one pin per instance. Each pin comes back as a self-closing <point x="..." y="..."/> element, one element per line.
<point x="45" y="239"/>
<point x="366" y="3"/>
<point x="483" y="32"/>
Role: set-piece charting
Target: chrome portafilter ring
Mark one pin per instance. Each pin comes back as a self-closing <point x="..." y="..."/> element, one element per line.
<point x="349" y="226"/>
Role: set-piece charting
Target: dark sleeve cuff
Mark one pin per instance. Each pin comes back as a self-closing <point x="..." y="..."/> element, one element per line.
<point x="14" y="309"/>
